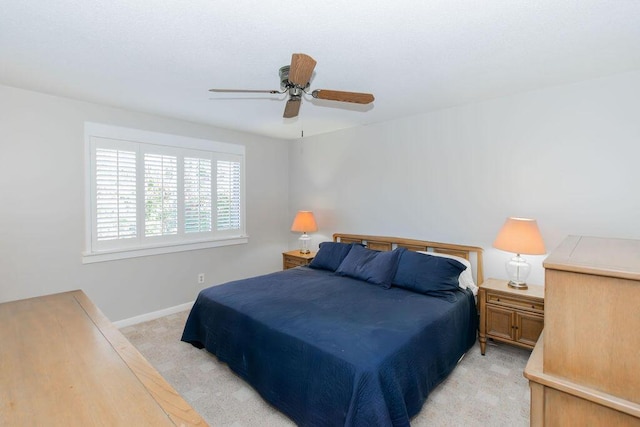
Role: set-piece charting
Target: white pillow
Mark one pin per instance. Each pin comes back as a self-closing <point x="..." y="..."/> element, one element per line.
<point x="465" y="280"/>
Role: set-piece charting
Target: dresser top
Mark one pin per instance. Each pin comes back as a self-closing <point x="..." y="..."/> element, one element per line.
<point x="596" y="255"/>
<point x="64" y="363"/>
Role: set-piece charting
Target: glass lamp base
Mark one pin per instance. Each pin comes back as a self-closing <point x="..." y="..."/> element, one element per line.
<point x="304" y="243"/>
<point x="518" y="270"/>
<point x="517" y="285"/>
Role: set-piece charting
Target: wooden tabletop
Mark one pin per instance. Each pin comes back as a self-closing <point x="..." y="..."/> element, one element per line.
<point x="535" y="291"/>
<point x="63" y="363"/>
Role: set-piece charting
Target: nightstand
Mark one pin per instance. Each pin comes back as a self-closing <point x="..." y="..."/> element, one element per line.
<point x="293" y="259"/>
<point x="513" y="316"/>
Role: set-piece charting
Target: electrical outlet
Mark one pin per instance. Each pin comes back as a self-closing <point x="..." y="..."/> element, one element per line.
<point x="201" y="278"/>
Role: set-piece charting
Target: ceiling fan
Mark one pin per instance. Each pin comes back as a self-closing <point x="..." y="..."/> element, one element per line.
<point x="295" y="78"/>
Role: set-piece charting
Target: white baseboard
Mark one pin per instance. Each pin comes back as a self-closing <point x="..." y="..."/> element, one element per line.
<point x="153" y="315"/>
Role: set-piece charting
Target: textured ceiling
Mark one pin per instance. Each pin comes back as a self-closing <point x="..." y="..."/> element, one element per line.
<point x="414" y="56"/>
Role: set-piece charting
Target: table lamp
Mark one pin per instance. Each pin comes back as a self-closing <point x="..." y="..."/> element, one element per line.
<point x="304" y="222"/>
<point x="520" y="236"/>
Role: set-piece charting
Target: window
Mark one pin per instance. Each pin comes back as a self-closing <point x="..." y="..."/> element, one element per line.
<point x="150" y="193"/>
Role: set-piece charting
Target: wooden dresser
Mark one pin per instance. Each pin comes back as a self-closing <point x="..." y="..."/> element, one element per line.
<point x="62" y="363"/>
<point x="585" y="369"/>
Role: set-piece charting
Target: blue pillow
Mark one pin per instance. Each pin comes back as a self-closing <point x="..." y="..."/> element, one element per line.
<point x="428" y="275"/>
<point x="372" y="266"/>
<point x="330" y="255"/>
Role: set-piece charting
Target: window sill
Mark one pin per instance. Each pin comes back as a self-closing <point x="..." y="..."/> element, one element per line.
<point x="91" y="257"/>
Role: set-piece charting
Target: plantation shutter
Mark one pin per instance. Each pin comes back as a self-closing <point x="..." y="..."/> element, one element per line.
<point x="160" y="195"/>
<point x="173" y="195"/>
<point x="115" y="194"/>
<point x="229" y="194"/>
<point x="197" y="195"/>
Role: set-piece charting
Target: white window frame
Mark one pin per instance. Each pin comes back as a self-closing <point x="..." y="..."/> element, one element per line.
<point x="141" y="141"/>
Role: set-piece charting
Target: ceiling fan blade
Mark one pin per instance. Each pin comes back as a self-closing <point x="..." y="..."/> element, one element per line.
<point x="292" y="108"/>
<point x="337" y="95"/>
<point x="301" y="69"/>
<point x="244" y="91"/>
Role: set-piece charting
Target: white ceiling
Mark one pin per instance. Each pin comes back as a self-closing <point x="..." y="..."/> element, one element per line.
<point x="414" y="56"/>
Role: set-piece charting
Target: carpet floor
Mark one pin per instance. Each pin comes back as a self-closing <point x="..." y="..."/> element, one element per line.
<point x="485" y="390"/>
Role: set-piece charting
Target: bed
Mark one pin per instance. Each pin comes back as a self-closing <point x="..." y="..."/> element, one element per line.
<point x="360" y="338"/>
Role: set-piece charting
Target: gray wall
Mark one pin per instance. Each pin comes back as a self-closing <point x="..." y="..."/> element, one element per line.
<point x="42" y="210"/>
<point x="568" y="156"/>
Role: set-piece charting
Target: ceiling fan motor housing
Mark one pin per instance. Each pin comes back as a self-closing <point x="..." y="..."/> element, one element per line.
<point x="294" y="89"/>
<point x="284" y="76"/>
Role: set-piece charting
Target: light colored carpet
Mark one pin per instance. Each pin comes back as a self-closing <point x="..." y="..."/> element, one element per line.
<point x="485" y="390"/>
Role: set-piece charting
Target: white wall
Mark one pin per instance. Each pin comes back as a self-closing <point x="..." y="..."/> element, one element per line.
<point x="42" y="210"/>
<point x="568" y="156"/>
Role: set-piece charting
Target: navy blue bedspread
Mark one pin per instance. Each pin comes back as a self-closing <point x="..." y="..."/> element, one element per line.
<point x="329" y="350"/>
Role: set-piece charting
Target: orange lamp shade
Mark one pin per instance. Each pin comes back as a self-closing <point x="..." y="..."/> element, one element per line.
<point x="304" y="222"/>
<point x="520" y="236"/>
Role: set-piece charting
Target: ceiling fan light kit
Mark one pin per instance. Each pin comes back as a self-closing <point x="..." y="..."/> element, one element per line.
<point x="295" y="79"/>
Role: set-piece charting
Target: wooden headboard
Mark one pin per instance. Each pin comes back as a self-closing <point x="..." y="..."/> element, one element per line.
<point x="381" y="243"/>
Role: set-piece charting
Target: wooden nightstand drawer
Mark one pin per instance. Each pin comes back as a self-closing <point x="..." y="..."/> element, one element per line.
<point x="507" y="301"/>
<point x="294" y="259"/>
